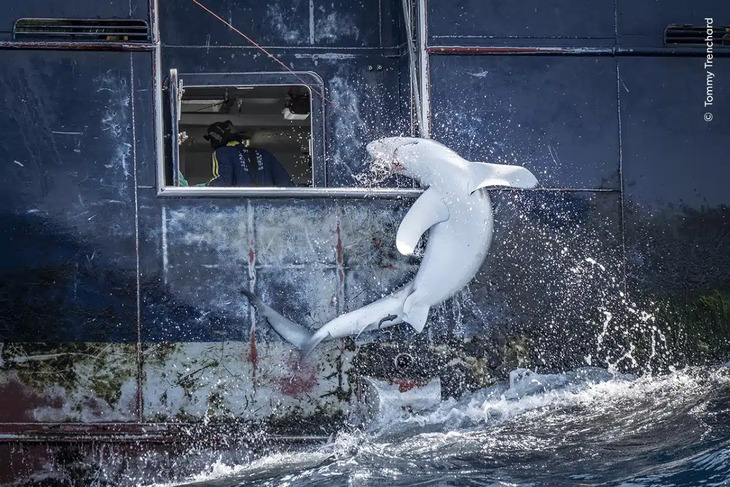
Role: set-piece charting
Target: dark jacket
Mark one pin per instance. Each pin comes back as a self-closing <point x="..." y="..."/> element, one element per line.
<point x="236" y="165"/>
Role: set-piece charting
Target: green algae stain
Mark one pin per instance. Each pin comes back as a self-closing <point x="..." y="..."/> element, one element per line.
<point x="102" y="368"/>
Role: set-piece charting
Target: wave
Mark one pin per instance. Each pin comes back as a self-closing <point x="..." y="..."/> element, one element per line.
<point x="584" y="427"/>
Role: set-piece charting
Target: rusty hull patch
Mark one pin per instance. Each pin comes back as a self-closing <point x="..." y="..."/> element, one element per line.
<point x="216" y="381"/>
<point x="80" y="382"/>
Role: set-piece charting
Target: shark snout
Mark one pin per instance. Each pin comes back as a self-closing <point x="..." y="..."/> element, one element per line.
<point x="387" y="146"/>
<point x="385" y="151"/>
<point x="376" y="149"/>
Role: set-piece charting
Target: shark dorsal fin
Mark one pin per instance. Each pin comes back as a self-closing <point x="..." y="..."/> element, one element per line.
<point x="483" y="174"/>
<point x="428" y="210"/>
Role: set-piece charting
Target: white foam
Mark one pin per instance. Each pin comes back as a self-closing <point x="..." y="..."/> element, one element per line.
<point x="538" y="406"/>
<point x="595" y="390"/>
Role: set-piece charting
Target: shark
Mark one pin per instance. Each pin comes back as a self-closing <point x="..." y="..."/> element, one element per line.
<point x="455" y="210"/>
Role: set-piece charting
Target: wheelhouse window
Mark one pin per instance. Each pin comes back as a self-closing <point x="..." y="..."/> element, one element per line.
<point x="251" y="131"/>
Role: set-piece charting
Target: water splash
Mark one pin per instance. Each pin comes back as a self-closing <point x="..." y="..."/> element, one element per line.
<point x="588" y="425"/>
<point x="374" y="174"/>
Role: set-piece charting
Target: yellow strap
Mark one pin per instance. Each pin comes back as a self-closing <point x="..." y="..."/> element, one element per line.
<point x="214" y="170"/>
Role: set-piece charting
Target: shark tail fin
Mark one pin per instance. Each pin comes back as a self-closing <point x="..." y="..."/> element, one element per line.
<point x="252" y="298"/>
<point x="309" y="346"/>
<point x="415" y="314"/>
<point x="383" y="312"/>
<point x="292" y="332"/>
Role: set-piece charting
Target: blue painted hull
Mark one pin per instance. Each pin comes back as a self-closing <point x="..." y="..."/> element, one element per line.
<point x="121" y="305"/>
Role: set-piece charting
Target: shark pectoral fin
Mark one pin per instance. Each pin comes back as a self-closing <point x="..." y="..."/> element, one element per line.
<point x="428" y="210"/>
<point x="415" y="314"/>
<point x="482" y="174"/>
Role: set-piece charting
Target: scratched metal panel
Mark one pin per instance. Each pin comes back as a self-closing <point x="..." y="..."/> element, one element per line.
<point x="373" y="266"/>
<point x="527" y="22"/>
<point x="302" y="257"/>
<point x="291" y="234"/>
<point x="68" y="246"/>
<point x="557" y="116"/>
<point x="363" y="102"/>
<point x="573" y="267"/>
<point x="347" y="23"/>
<point x="675" y="166"/>
<point x="643" y="23"/>
<point x="79" y="382"/>
<point x="137" y="9"/>
<point x="197" y="254"/>
<point x="145" y="119"/>
<point x="185" y="381"/>
<point x="193" y="260"/>
<point x="293" y="254"/>
<point x="368" y="233"/>
<point x="279" y="23"/>
<point x="297" y="261"/>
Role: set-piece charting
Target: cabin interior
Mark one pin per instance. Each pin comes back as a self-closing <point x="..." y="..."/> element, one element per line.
<point x="274" y="118"/>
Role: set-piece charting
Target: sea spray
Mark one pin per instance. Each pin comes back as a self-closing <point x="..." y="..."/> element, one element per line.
<point x="587" y="425"/>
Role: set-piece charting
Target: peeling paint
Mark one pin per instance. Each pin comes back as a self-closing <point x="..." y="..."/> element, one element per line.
<point x="300" y="380"/>
<point x="285" y="23"/>
<point x="69" y="382"/>
<point x="218" y="383"/>
<point x="335" y="25"/>
<point x="337" y="56"/>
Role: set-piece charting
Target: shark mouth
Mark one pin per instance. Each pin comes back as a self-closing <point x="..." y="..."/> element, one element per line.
<point x="380" y="169"/>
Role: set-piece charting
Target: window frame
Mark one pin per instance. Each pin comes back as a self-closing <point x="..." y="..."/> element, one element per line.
<point x="319" y="154"/>
<point x="204" y="80"/>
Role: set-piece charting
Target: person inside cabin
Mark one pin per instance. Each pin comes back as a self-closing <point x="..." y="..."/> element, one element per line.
<point x="234" y="164"/>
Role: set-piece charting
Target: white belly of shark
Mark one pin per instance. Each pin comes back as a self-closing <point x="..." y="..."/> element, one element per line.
<point x="456" y="211"/>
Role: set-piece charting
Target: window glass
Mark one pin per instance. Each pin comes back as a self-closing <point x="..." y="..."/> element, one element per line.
<point x="245" y="136"/>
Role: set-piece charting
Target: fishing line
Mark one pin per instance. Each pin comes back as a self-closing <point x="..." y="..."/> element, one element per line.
<point x="262" y="49"/>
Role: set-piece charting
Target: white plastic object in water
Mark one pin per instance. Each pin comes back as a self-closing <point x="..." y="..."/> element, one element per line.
<point x="380" y="399"/>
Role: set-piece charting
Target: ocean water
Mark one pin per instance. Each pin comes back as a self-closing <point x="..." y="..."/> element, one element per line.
<point x="585" y="427"/>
